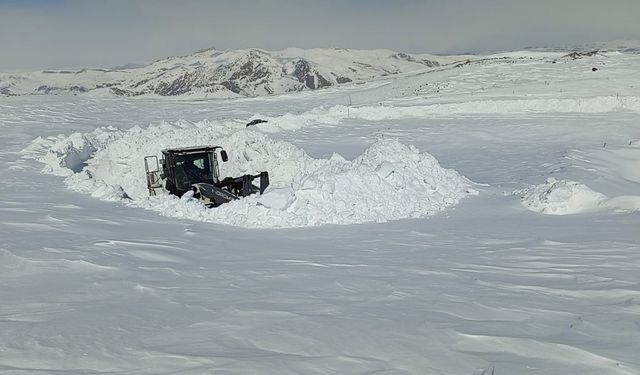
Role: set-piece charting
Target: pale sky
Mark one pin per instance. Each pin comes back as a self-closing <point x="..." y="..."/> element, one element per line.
<point x="36" y="34"/>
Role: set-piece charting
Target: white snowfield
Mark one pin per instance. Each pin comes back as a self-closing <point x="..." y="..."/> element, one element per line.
<point x="474" y="219"/>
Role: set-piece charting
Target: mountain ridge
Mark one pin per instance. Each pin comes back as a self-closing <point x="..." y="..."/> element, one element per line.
<point x="214" y="73"/>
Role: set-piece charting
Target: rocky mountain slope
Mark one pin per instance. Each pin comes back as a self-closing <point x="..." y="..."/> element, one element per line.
<point x="213" y="73"/>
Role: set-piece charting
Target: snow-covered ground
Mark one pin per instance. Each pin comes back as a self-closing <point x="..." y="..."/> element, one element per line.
<point x="480" y="219"/>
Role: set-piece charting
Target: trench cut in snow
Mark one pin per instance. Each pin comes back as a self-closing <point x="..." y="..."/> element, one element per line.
<point x="389" y="181"/>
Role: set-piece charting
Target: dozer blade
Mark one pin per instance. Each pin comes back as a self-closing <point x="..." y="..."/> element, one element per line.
<point x="212" y="195"/>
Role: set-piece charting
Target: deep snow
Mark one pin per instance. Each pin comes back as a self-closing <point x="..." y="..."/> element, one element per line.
<point x="484" y="286"/>
<point x="388" y="181"/>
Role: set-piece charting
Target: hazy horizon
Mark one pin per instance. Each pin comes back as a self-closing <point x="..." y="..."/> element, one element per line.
<point x="40" y="34"/>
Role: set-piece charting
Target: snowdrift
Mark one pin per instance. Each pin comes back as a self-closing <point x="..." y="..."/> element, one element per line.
<point x="561" y="197"/>
<point x="336" y="114"/>
<point x="388" y="181"/>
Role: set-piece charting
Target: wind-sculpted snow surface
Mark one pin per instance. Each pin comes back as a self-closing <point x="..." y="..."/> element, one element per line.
<point x="490" y="287"/>
<point x="388" y="181"/>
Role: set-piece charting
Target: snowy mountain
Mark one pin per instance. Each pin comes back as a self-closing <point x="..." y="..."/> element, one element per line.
<point x="213" y="73"/>
<point x="59" y="82"/>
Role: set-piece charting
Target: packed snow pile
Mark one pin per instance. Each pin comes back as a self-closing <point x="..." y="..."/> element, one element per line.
<point x="389" y="181"/>
<point x="65" y="155"/>
<point x="561" y="197"/>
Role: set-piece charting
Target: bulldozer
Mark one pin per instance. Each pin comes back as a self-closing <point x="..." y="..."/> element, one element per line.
<point x="196" y="169"/>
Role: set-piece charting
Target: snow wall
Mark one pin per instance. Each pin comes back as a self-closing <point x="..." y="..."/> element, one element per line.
<point x="389" y="181"/>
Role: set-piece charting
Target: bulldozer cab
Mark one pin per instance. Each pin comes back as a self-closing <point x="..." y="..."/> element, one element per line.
<point x="184" y="167"/>
<point x="196" y="169"/>
<point x="190" y="169"/>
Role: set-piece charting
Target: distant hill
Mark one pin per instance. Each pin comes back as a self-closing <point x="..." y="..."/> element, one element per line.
<point x="213" y="73"/>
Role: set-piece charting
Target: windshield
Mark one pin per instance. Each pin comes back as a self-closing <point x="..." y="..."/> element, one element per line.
<point x="191" y="169"/>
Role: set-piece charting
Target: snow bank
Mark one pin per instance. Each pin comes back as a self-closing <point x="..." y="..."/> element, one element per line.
<point x="388" y="181"/>
<point x="616" y="166"/>
<point x="560" y="197"/>
<point x="336" y="114"/>
<point x="65" y="155"/>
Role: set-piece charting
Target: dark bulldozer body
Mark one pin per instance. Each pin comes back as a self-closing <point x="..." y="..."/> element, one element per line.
<point x="196" y="169"/>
